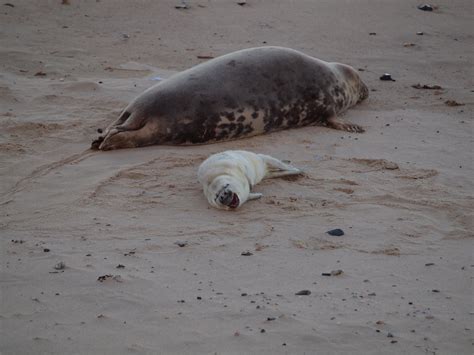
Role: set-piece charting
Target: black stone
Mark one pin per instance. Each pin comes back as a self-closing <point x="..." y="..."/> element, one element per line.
<point x="336" y="232"/>
<point x="303" y="293"/>
<point x="425" y="7"/>
<point x="387" y="77"/>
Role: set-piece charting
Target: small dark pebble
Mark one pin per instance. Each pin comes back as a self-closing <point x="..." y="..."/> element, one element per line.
<point x="243" y="294"/>
<point x="326" y="274"/>
<point x="104" y="277"/>
<point x="46" y="250"/>
<point x="100" y="130"/>
<point x="389" y="335"/>
<point x="377" y="330"/>
<point x="181" y="244"/>
<point x="8" y="4"/>
<point x="429" y="264"/>
<point x="436" y="291"/>
<point x="394" y="341"/>
<point x="425" y="7"/>
<point x="284" y="344"/>
<point x="420" y="33"/>
<point x="372" y="294"/>
<point x="336" y="232"/>
<point x="120" y="266"/>
<point x="181" y="301"/>
<point x="372" y="33"/>
<point x="262" y="330"/>
<point x="270" y="318"/>
<point x="60" y="266"/>
<point x="246" y="253"/>
<point x="199" y="297"/>
<point x="303" y="293"/>
<point x="387" y="77"/>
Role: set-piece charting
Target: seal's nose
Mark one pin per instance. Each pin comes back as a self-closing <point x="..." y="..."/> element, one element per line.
<point x="225" y="197"/>
<point x="364" y="92"/>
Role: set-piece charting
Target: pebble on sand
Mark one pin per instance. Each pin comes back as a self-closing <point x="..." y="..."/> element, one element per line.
<point x="60" y="266"/>
<point x="387" y="77"/>
<point x="181" y="244"/>
<point x="425" y="7"/>
<point x="303" y="293"/>
<point x="336" y="232"/>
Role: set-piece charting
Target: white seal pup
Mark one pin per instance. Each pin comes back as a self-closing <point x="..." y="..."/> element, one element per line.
<point x="227" y="178"/>
<point x="241" y="94"/>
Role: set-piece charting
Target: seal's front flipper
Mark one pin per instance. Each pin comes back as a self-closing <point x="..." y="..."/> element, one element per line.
<point x="277" y="168"/>
<point x="336" y="123"/>
<point x="254" y="196"/>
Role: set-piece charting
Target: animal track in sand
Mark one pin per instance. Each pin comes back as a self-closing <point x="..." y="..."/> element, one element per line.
<point x="153" y="182"/>
<point x="317" y="244"/>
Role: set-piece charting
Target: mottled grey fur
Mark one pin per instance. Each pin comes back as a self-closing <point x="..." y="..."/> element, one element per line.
<point x="241" y="94"/>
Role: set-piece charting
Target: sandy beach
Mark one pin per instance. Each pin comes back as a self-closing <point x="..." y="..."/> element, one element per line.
<point x="118" y="252"/>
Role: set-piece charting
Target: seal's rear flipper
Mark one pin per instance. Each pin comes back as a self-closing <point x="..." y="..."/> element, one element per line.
<point x="118" y="139"/>
<point x="96" y="143"/>
<point x="277" y="168"/>
<point x="335" y="123"/>
<point x="128" y="131"/>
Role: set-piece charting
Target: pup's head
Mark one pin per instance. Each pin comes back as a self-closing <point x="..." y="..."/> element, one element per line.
<point x="227" y="197"/>
<point x="226" y="192"/>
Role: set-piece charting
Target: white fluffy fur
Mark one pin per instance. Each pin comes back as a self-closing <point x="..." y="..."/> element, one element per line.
<point x="237" y="171"/>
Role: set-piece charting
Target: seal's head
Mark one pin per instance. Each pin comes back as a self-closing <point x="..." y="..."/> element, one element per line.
<point x="226" y="192"/>
<point x="357" y="87"/>
<point x="227" y="197"/>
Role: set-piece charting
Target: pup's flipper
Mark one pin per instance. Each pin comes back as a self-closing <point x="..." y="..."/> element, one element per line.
<point x="277" y="168"/>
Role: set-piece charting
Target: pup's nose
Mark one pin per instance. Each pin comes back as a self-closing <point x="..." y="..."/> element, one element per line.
<point x="225" y="196"/>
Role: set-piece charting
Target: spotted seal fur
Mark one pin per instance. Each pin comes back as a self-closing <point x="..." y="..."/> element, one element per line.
<point x="241" y="94"/>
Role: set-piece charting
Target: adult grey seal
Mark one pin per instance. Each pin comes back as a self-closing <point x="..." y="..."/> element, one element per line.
<point x="241" y="94"/>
